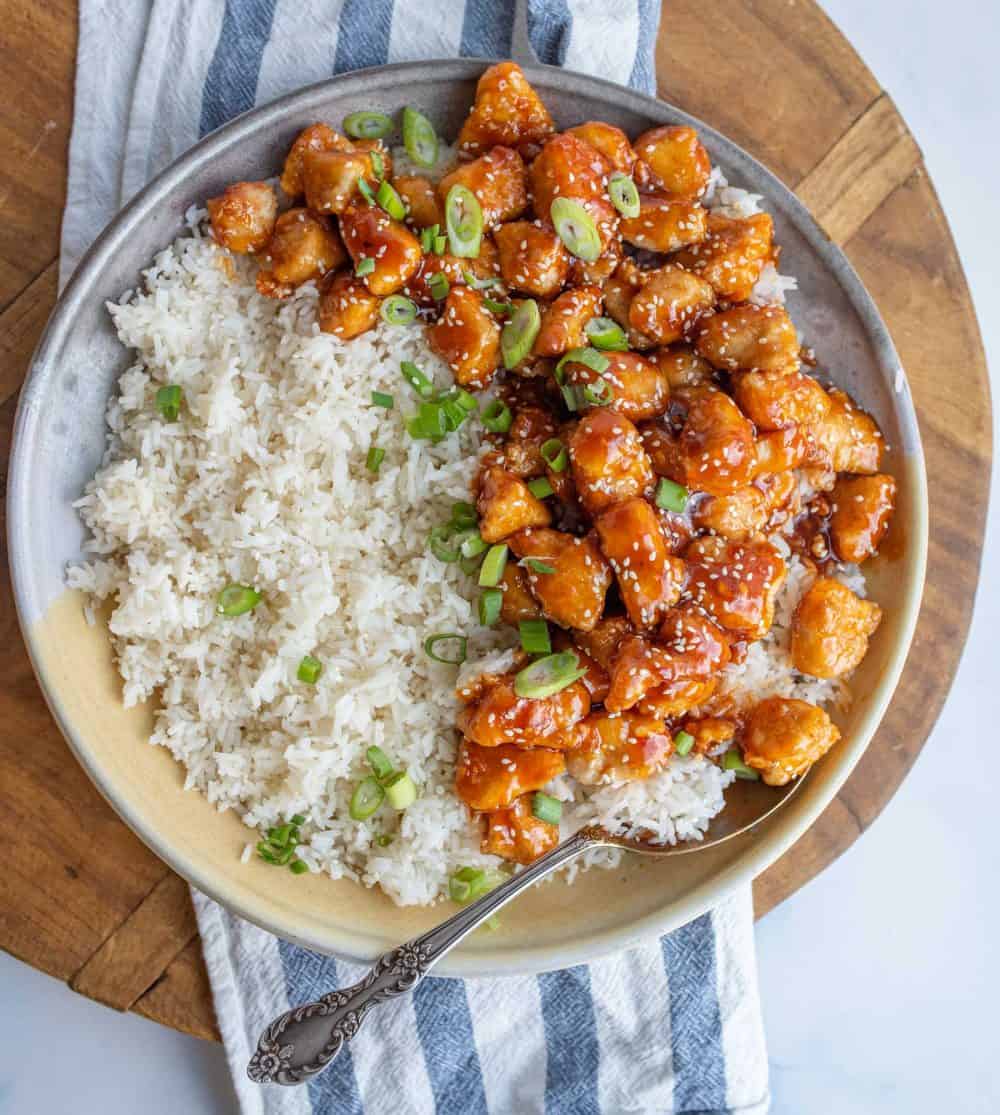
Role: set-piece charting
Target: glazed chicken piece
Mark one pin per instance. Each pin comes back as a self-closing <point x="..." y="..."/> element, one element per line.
<point x="611" y="142"/>
<point x="492" y="778"/>
<point x="367" y="146"/>
<point x="533" y="260"/>
<point x="735" y="582"/>
<point x="650" y="580"/>
<point x="670" y="302"/>
<point x="847" y="439"/>
<point x="572" y="595"/>
<point x="619" y="291"/>
<point x="516" y="834"/>
<point x="317" y="137"/>
<point x="737" y="516"/>
<point x="831" y="628"/>
<point x="597" y="272"/>
<point x="243" y="217"/>
<point x="506" y="506"/>
<point x="675" y="160"/>
<point x="776" y="400"/>
<point x="517" y="602"/>
<point x="781" y="450"/>
<point x="862" y="508"/>
<point x="677" y="697"/>
<point x="751" y="338"/>
<point x="466" y="337"/>
<point x="522" y="452"/>
<point x="732" y="254"/>
<point x="596" y="678"/>
<point x="639" y="388"/>
<point x="665" y="224"/>
<point x="370" y="233"/>
<point x="608" y="461"/>
<point x="603" y="641"/>
<point x="506" y="110"/>
<point x="499" y="180"/>
<point x="501" y="716"/>
<point x="421" y="200"/>
<point x="567" y="167"/>
<point x="347" y="308"/>
<point x="485" y="266"/>
<point x="619" y="747"/>
<point x="303" y="246"/>
<point x="563" y="321"/>
<point x="784" y="737"/>
<point x="683" y="367"/>
<point x="331" y="178"/>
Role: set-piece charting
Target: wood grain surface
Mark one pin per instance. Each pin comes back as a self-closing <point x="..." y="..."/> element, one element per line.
<point x="84" y="899"/>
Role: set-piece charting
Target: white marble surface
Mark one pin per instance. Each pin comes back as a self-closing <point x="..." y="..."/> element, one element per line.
<point x="878" y="979"/>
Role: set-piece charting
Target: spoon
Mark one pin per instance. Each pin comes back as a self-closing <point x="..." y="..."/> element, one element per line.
<point x="301" y="1042"/>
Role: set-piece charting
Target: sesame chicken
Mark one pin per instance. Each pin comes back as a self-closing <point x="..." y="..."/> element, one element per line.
<point x="466" y="337"/>
<point x="330" y="178"/>
<point x="347" y="308"/>
<point x="665" y="224"/>
<point x="608" y="461"/>
<point x="501" y="716"/>
<point x="518" y="602"/>
<point x="621" y="747"/>
<point x="423" y="209"/>
<point x="572" y="595"/>
<point x="243" y="217"/>
<point x="506" y="506"/>
<point x="498" y="179"/>
<point x="783" y="737"/>
<point x="710" y="733"/>
<point x="610" y="142"/>
<point x="776" y="400"/>
<point x="831" y="628"/>
<point x="522" y="452"/>
<point x="303" y="246"/>
<point x="516" y="834"/>
<point x="735" y="582"/>
<point x="533" y="259"/>
<point x="619" y="291"/>
<point x="604" y="639"/>
<point x="639" y="389"/>
<point x="675" y="160"/>
<point x="677" y="697"/>
<point x="564" y="320"/>
<point x="750" y="338"/>
<point x="862" y="508"/>
<point x="506" y="110"/>
<point x="669" y="304"/>
<point x="569" y="168"/>
<point x="846" y="438"/>
<point x="683" y="367"/>
<point x="317" y="137"/>
<point x="492" y="778"/>
<point x="731" y="254"/>
<point x="369" y="233"/>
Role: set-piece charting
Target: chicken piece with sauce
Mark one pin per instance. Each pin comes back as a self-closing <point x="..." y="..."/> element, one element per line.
<point x="619" y="747"/>
<point x="608" y="460"/>
<point x="467" y="338"/>
<point x="731" y="254"/>
<point x="499" y="180"/>
<point x="516" y="834"/>
<point x="735" y="582"/>
<point x="831" y="628"/>
<point x="862" y="508"/>
<point x="393" y="251"/>
<point x="499" y="715"/>
<point x="244" y="216"/>
<point x="506" y="110"/>
<point x="303" y="246"/>
<point x="492" y="778"/>
<point x="750" y="338"/>
<point x="783" y="737"/>
<point x="569" y="576"/>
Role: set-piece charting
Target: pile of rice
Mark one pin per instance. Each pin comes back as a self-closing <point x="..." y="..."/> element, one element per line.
<point x="262" y="481"/>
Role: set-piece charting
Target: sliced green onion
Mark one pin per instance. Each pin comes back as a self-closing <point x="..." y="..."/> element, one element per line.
<point x="493" y="566"/>
<point x="366" y="191"/>
<point x="588" y="357"/>
<point x="380" y="398"/>
<point x="683" y="742"/>
<point x="433" y="419"/>
<point x="439" y="286"/>
<point x="376" y="455"/>
<point x="548" y="675"/>
<point x="235" y="600"/>
<point x="401" y="790"/>
<point x="733" y="760"/>
<point x="419" y="137"/>
<point x="497" y="417"/>
<point x="576" y="229"/>
<point x="671" y="496"/>
<point x="464" y="222"/>
<point x="440" y="244"/>
<point x="390" y="201"/>
<point x="470" y="883"/>
<point x="384" y="839"/>
<point x="460" y="655"/>
<point x="490" y="603"/>
<point x="472" y="544"/>
<point x="427" y="239"/>
<point x="463" y="514"/>
<point x="624" y="195"/>
<point x="554" y="454"/>
<point x="297" y="867"/>
<point x="599" y="393"/>
<point x="540" y="487"/>
<point x="416" y="379"/>
<point x="606" y="334"/>
<point x="366" y="265"/>
<point x="480" y="284"/>
<point x="379" y="762"/>
<point x="168" y="401"/>
<point x="520" y="332"/>
<point x="298" y="819"/>
<point x="367" y="797"/>
<point x="572" y="395"/>
<point x="534" y="636"/>
<point x="466" y="401"/>
<point x="470" y="565"/>
<point x="378" y="164"/>
<point x="309" y="670"/>
<point x="536" y="565"/>
<point x="546" y="808"/>
<point x="367" y="125"/>
<point x="441" y="547"/>
<point x="397" y="310"/>
<point x="454" y="413"/>
<point x="496" y="307"/>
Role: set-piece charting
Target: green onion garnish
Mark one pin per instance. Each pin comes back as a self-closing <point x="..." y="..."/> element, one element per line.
<point x="378" y="164"/>
<point x="397" y="310"/>
<point x="683" y="742"/>
<point x="381" y="399"/>
<point x="576" y="229"/>
<point x="235" y="600"/>
<point x="297" y="867"/>
<point x="470" y="883"/>
<point x="309" y="670"/>
<point x="367" y="797"/>
<point x="671" y="496"/>
<point x="548" y="675"/>
<point x="588" y="357"/>
<point x="464" y="221"/>
<point x="493" y="566"/>
<point x="540" y="487"/>
<point x="546" y="808"/>
<point x="278" y="848"/>
<point x="520" y="332"/>
<point x="624" y="195"/>
<point x="606" y="334"/>
<point x="390" y="201"/>
<point x="472" y="544"/>
<point x="419" y="137"/>
<point x="440" y="244"/>
<point x="480" y="284"/>
<point x="572" y="394"/>
<point x="536" y="565"/>
<point x="733" y="760"/>
<point x="384" y="839"/>
<point x="168" y="401"/>
<point x="463" y="514"/>
<point x="438" y="540"/>
<point x="461" y="652"/>
<point x="401" y="790"/>
<point x="427" y="239"/>
<point x="416" y="379"/>
<point x="366" y="265"/>
<point x="535" y="636"/>
<point x="496" y="307"/>
<point x="379" y="762"/>
<point x="366" y="191"/>
<point x="376" y="455"/>
<point x="599" y="393"/>
<point x="490" y="602"/>
<point x="439" y="286"/>
<point x="497" y="417"/>
<point x="554" y="454"/>
<point x="367" y="125"/>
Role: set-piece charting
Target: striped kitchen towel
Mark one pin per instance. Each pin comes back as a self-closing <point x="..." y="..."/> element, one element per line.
<point x="672" y="1026"/>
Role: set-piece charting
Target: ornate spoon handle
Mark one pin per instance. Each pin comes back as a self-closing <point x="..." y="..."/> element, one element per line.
<point x="304" y="1040"/>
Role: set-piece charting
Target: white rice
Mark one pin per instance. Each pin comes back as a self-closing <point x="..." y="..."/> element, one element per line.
<point x="263" y="482"/>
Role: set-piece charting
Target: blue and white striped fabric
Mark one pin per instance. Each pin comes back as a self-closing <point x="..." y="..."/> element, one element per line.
<point x="673" y="1026"/>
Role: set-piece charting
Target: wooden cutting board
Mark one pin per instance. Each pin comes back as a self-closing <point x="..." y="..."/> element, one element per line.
<point x="80" y="896"/>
